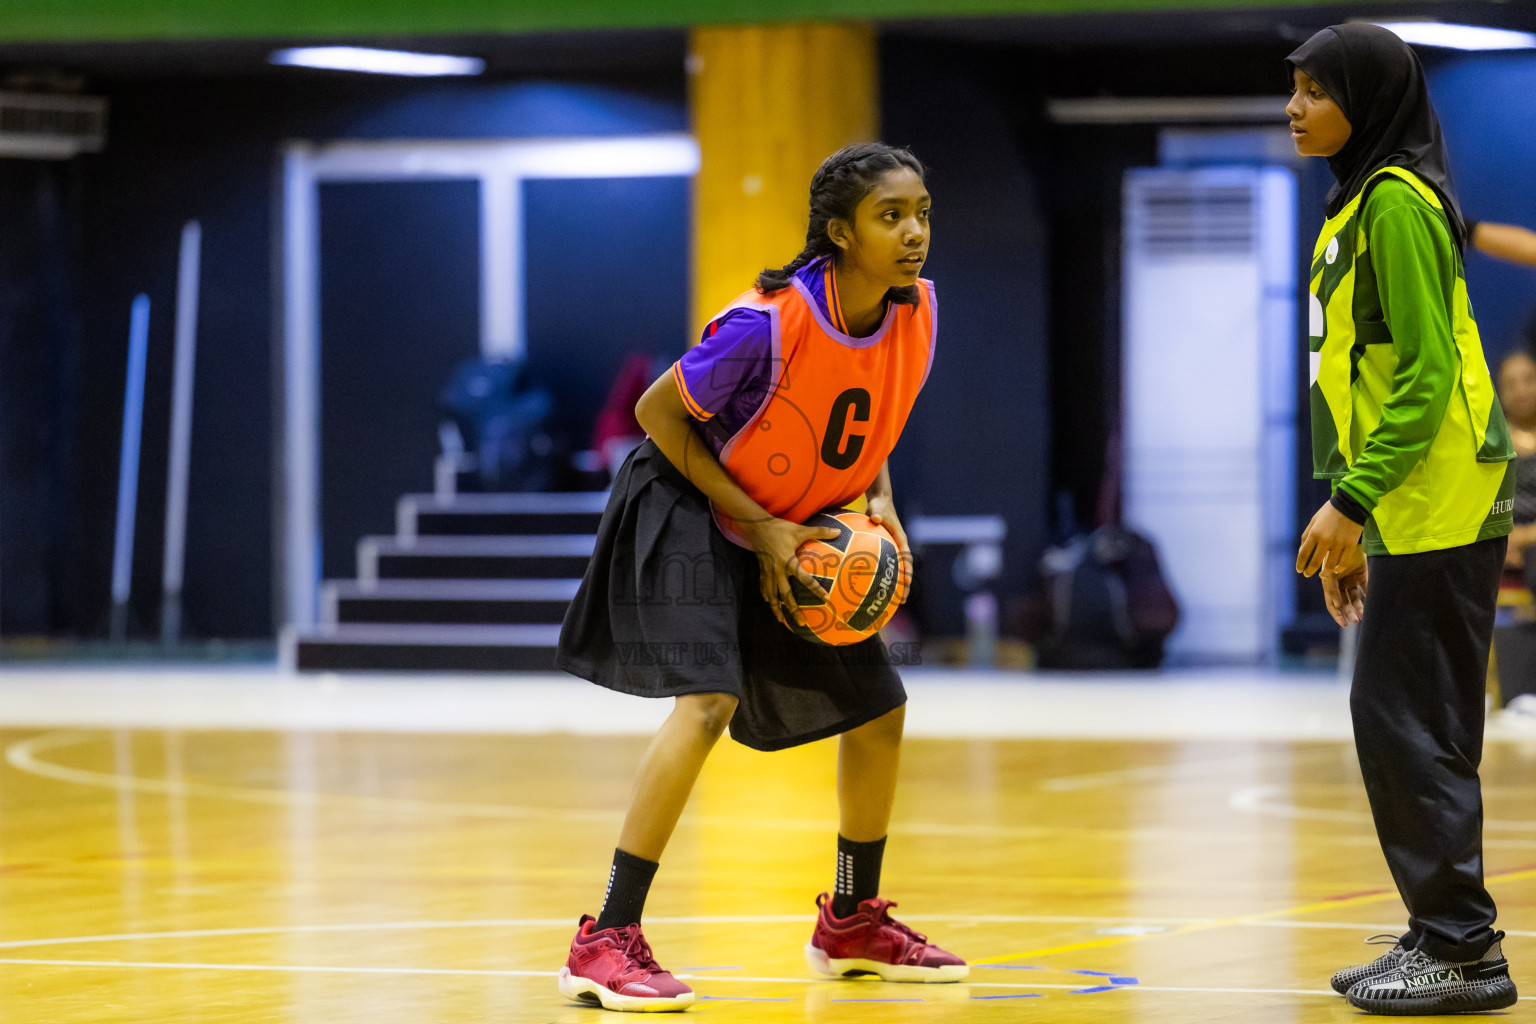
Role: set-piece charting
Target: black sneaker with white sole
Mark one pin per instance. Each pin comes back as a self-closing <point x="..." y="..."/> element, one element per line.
<point x="1349" y="977"/>
<point x="1421" y="985"/>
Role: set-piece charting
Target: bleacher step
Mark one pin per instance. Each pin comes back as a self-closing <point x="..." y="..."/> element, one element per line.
<point x="553" y="556"/>
<point x="419" y="515"/>
<point x="364" y="647"/>
<point x="470" y="602"/>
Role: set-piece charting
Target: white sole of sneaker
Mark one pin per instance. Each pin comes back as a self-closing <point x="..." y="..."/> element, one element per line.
<point x="586" y="991"/>
<point x="828" y="967"/>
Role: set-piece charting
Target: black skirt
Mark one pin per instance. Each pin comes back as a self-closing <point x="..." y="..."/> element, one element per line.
<point x="670" y="607"/>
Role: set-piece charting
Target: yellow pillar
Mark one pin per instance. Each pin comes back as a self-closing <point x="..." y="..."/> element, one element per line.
<point x="769" y="104"/>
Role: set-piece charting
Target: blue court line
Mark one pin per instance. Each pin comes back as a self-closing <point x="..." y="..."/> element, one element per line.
<point x="1114" y="979"/>
<point x="1026" y="995"/>
<point x="745" y="999"/>
<point x="1096" y="988"/>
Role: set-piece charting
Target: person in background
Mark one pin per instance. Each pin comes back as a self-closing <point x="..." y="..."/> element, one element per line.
<point x="1517" y="394"/>
<point x="1517" y="389"/>
<point x="616" y="432"/>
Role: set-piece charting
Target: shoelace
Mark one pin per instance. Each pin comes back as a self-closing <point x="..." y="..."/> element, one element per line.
<point x="884" y="917"/>
<point x="638" y="950"/>
<point x="1383" y="939"/>
<point x="1412" y="961"/>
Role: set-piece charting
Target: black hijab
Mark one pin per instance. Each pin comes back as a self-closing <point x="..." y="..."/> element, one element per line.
<point x="1379" y="84"/>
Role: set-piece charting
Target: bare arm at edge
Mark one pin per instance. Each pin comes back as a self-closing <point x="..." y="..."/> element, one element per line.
<point x="1507" y="242"/>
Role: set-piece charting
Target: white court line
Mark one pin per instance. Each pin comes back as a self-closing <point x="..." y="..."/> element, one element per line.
<point x="1237" y="991"/>
<point x="207" y="933"/>
<point x="482" y="972"/>
<point x="456" y="972"/>
<point x="1055" y="919"/>
<point x="1178" y="771"/>
<point x="321" y="969"/>
<point x="1262" y="800"/>
<point x="1380" y="928"/>
<point x="23" y="755"/>
<point x="565" y="922"/>
<point x="294" y="968"/>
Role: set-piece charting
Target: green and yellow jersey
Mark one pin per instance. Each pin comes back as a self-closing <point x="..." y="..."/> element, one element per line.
<point x="1404" y="416"/>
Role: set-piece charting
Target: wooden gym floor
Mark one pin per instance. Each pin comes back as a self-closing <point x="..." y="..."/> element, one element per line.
<point x="322" y="876"/>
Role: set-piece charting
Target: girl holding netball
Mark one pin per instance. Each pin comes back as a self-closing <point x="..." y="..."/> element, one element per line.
<point x="791" y="404"/>
<point x="1411" y="546"/>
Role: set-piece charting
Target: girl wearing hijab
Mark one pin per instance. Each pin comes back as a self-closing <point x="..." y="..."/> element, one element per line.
<point x="1405" y="424"/>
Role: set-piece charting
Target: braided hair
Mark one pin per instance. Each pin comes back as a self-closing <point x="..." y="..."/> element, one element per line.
<point x="839" y="185"/>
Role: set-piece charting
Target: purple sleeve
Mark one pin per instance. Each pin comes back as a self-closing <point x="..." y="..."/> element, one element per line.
<point x="731" y="362"/>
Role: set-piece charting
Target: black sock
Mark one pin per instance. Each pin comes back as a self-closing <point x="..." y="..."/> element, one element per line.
<point x="628" y="883"/>
<point x="858" y="875"/>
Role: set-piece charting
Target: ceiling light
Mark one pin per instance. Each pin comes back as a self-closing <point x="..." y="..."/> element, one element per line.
<point x="1460" y="37"/>
<point x="378" y="62"/>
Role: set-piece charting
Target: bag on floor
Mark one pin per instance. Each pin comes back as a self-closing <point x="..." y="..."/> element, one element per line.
<point x="1107" y="604"/>
<point x="507" y="421"/>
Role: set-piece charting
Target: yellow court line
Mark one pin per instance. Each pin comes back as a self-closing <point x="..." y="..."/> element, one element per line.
<point x="1306" y="908"/>
<point x="1116" y="940"/>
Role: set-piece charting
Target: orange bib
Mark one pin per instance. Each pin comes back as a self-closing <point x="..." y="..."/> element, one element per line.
<point x="835" y="408"/>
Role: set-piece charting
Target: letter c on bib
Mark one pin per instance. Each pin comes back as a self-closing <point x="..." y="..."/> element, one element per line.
<point x="833" y="450"/>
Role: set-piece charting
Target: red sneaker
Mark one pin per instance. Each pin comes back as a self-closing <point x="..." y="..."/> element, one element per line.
<point x="614" y="968"/>
<point x="872" y="942"/>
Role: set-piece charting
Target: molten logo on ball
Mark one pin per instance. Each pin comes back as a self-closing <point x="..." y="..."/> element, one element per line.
<point x="861" y="571"/>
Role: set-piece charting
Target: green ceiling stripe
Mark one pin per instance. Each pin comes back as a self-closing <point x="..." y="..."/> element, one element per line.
<point x="78" y="20"/>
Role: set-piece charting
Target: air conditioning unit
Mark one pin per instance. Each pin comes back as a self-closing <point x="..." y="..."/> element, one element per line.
<point x="1210" y="351"/>
<point x="45" y="126"/>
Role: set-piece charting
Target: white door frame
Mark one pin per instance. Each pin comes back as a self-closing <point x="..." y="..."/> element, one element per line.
<point x="500" y="166"/>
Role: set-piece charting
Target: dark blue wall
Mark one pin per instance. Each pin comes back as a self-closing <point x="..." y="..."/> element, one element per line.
<point x="1486" y="109"/>
<point x="399" y="309"/>
<point x="978" y="441"/>
<point x="606" y="277"/>
<point x="208" y="149"/>
<point x="39" y="343"/>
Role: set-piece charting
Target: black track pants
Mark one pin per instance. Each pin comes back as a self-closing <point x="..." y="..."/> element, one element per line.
<point x="1418" y="710"/>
